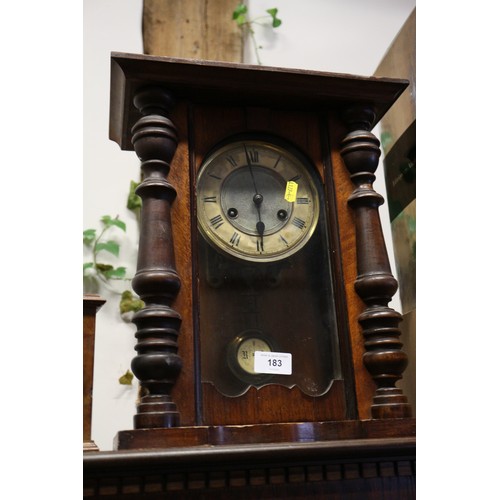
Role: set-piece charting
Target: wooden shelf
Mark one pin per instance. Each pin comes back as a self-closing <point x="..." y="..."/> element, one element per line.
<point x="346" y="468"/>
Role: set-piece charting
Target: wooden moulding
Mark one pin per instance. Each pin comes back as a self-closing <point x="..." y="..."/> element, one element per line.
<point x="366" y="468"/>
<point x="299" y="432"/>
<point x="239" y="84"/>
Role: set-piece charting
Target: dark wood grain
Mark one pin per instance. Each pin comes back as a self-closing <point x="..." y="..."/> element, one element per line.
<point x="157" y="364"/>
<point x="273" y="441"/>
<point x="184" y="390"/>
<point x="91" y="304"/>
<point x="214" y="101"/>
<point x="270" y="403"/>
<point x="273" y="403"/>
<point x="239" y="84"/>
<point x="368" y="467"/>
<point x="375" y="284"/>
<point x="290" y="432"/>
<point x="345" y="260"/>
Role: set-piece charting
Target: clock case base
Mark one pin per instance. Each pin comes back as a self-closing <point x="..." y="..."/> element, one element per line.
<point x="294" y="432"/>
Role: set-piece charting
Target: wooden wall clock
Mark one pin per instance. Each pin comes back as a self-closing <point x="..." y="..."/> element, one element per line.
<point x="261" y="261"/>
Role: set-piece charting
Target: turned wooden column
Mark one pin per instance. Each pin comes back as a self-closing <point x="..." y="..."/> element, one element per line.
<point x="157" y="364"/>
<point x="375" y="284"/>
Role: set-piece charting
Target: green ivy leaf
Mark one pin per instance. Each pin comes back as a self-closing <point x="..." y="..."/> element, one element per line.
<point x="126" y="378"/>
<point x="130" y="303"/>
<point x="385" y="139"/>
<point x="88" y="236"/>
<point x="241" y="9"/>
<point x="103" y="268"/>
<point x="110" y="246"/>
<point x="133" y="201"/>
<point x="272" y="13"/>
<point x="118" y="223"/>
<point x="240" y="20"/>
<point x="108" y="222"/>
<point x="240" y="14"/>
<point x="118" y="273"/>
<point x="88" y="265"/>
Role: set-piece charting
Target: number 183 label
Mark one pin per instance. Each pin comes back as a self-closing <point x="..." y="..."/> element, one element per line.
<point x="279" y="363"/>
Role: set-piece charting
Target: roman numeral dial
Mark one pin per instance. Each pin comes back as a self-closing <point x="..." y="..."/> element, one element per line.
<point x="256" y="199"/>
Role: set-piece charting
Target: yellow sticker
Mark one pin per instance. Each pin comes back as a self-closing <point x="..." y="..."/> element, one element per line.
<point x="291" y="191"/>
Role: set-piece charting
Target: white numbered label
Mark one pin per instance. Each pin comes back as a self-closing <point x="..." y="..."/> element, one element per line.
<point x="273" y="362"/>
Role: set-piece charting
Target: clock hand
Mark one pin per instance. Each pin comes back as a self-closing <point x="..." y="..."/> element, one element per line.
<point x="249" y="165"/>
<point x="257" y="199"/>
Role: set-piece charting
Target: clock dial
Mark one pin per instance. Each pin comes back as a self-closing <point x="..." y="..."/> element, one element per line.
<point x="241" y="355"/>
<point x="245" y="354"/>
<point x="256" y="200"/>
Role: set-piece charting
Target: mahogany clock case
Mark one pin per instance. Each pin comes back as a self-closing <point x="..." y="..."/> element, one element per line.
<point x="208" y="104"/>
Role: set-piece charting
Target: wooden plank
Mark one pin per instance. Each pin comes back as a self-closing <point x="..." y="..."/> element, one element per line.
<point x="192" y="29"/>
<point x="317" y="434"/>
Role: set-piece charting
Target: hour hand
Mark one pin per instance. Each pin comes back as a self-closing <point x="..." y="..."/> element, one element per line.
<point x="260" y="226"/>
<point x="260" y="230"/>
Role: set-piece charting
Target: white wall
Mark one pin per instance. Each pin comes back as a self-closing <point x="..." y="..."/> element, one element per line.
<point x="109" y="25"/>
<point x="329" y="35"/>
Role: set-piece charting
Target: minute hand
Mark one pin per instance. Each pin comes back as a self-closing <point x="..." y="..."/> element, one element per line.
<point x="257" y="199"/>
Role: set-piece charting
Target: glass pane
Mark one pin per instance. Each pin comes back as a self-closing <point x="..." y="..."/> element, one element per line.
<point x="285" y="306"/>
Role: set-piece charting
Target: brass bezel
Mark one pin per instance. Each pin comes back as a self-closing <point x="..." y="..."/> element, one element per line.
<point x="303" y="166"/>
<point x="233" y="351"/>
